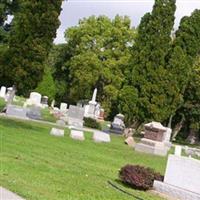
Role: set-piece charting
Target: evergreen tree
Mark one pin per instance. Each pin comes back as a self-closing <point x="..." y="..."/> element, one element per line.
<point x="47" y="86"/>
<point x="31" y="37"/>
<point x="149" y="75"/>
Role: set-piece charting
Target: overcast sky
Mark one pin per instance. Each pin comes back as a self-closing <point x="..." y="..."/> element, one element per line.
<point x="73" y="10"/>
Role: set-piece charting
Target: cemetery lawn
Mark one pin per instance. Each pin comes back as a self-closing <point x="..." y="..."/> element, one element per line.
<point x="38" y="166"/>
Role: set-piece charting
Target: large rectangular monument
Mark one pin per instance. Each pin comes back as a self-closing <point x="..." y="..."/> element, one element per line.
<point x="182" y="178"/>
<point x="156" y="139"/>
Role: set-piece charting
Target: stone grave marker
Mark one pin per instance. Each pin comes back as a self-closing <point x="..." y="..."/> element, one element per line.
<point x="77" y="135"/>
<point x="57" y="132"/>
<point x="3" y="92"/>
<point x="34" y="99"/>
<point x="181" y="178"/>
<point x="99" y="136"/>
<point x="16" y="111"/>
<point x="34" y="112"/>
<point x="75" y="116"/>
<point x="63" y="107"/>
<point x="130" y="141"/>
<point x="154" y="141"/>
<point x="118" y="126"/>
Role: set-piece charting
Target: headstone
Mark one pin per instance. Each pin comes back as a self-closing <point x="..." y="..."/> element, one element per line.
<point x="44" y="100"/>
<point x="90" y="109"/>
<point x="178" y="150"/>
<point x="118" y="126"/>
<point x="77" y="135"/>
<point x="130" y="141"/>
<point x="60" y="123"/>
<point x="128" y="132"/>
<point x="167" y="137"/>
<point x="16" y="111"/>
<point x="10" y="95"/>
<point x="102" y="113"/>
<point x="57" y="132"/>
<point x="3" y="92"/>
<point x="75" y="116"/>
<point x="34" y="99"/>
<point x="154" y="141"/>
<point x="53" y="104"/>
<point x="34" y="112"/>
<point x="181" y="178"/>
<point x="99" y="136"/>
<point x="63" y="107"/>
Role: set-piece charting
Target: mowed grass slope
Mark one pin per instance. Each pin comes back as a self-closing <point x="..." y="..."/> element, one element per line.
<point x="38" y="166"/>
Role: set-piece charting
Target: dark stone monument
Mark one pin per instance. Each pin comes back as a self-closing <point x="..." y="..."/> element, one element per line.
<point x="118" y="126"/>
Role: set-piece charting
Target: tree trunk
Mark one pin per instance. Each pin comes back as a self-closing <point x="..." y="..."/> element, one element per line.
<point x="170" y="122"/>
<point x="177" y="128"/>
<point x="193" y="137"/>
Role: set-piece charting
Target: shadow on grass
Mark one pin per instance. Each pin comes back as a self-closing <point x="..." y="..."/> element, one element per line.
<point x="122" y="187"/>
<point x="14" y="124"/>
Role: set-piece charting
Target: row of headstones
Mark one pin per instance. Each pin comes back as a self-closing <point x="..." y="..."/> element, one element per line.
<point x="5" y="92"/>
<point x="79" y="135"/>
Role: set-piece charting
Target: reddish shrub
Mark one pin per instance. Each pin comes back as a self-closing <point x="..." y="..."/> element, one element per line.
<point x="139" y="177"/>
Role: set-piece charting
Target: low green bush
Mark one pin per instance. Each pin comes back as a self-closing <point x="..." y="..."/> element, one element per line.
<point x="139" y="177"/>
<point x="91" y="123"/>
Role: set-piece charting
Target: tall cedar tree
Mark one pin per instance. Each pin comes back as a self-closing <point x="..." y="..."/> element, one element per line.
<point x="31" y="37"/>
<point x="183" y="67"/>
<point x="149" y="75"/>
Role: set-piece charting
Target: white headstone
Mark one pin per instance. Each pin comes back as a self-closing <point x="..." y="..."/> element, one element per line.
<point x="57" y="132"/>
<point x="3" y="92"/>
<point x="94" y="96"/>
<point x="63" y="106"/>
<point x="35" y="98"/>
<point x="178" y="150"/>
<point x="77" y="135"/>
<point x="99" y="136"/>
<point x="181" y="178"/>
<point x="168" y="133"/>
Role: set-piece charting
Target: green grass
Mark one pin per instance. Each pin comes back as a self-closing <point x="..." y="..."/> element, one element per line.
<point x="2" y="104"/>
<point x="38" y="166"/>
<point x="47" y="116"/>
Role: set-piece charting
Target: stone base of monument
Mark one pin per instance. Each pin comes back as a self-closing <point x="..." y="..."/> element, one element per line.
<point x="175" y="192"/>
<point x="101" y="137"/>
<point x="16" y="111"/>
<point x="77" y="135"/>
<point x="168" y="145"/>
<point x="57" y="132"/>
<point x="152" y="147"/>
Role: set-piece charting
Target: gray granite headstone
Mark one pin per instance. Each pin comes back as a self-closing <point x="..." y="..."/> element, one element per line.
<point x="75" y="116"/>
<point x="16" y="111"/>
<point x="99" y="136"/>
<point x="34" y="112"/>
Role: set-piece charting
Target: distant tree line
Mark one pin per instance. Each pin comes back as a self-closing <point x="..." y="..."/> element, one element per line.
<point x="146" y="73"/>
